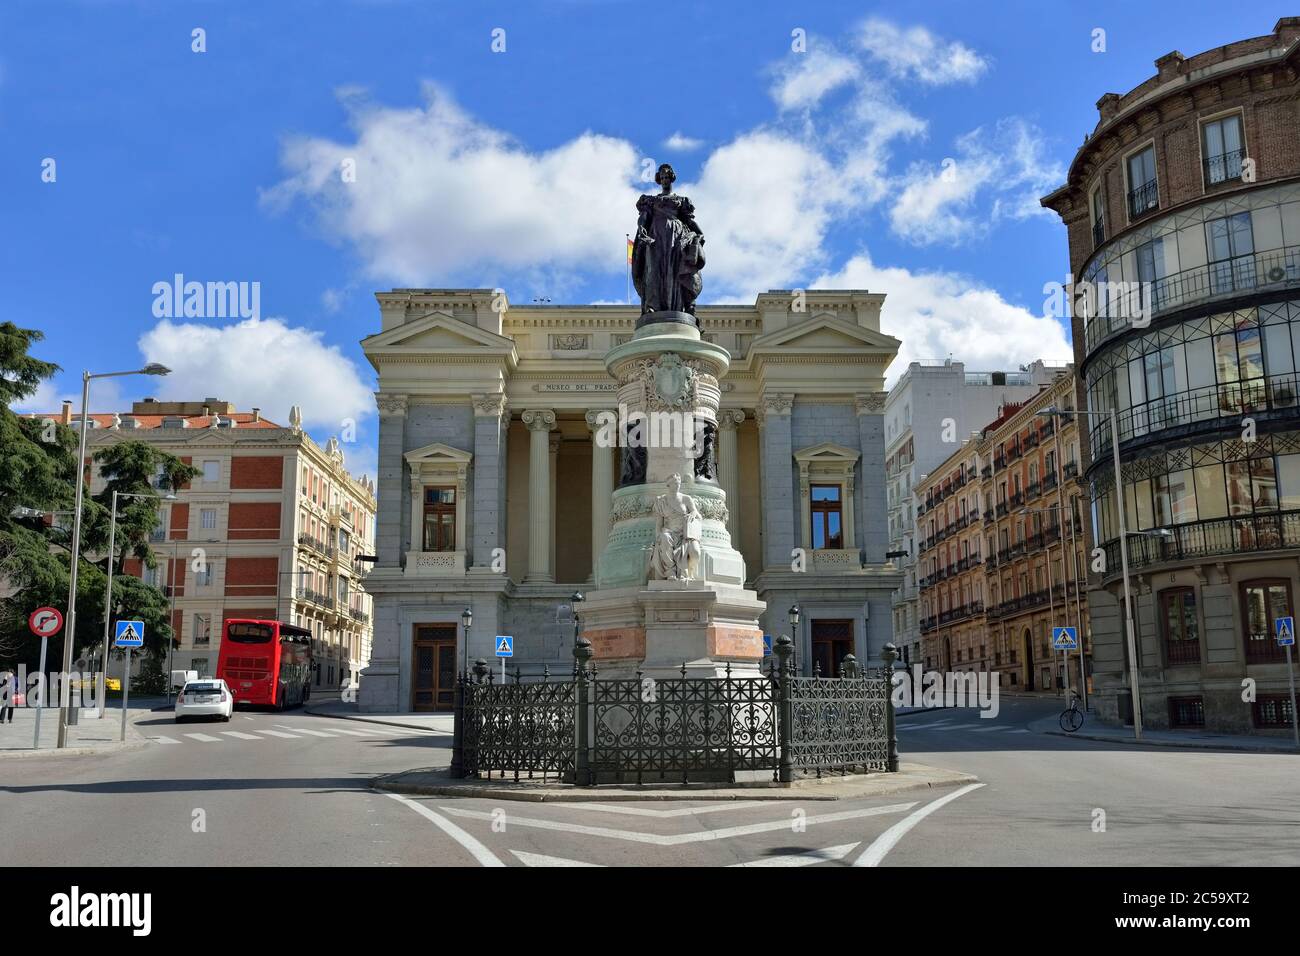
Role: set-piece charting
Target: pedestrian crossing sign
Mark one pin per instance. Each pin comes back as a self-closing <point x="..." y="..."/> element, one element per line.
<point x="505" y="646"/>
<point x="1285" y="630"/>
<point x="1065" y="638"/>
<point x="767" y="645"/>
<point x="129" y="634"/>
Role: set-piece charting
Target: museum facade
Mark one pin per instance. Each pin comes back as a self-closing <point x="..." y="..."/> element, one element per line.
<point x="497" y="491"/>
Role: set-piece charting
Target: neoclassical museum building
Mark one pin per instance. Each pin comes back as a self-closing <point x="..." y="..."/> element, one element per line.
<point x="497" y="496"/>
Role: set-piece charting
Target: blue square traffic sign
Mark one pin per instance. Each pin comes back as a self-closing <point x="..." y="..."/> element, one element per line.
<point x="1065" y="638"/>
<point x="505" y="646"/>
<point x="129" y="634"/>
<point x="1284" y="628"/>
<point x="767" y="645"/>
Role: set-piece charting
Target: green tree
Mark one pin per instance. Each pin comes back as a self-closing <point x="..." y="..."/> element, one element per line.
<point x="38" y="471"/>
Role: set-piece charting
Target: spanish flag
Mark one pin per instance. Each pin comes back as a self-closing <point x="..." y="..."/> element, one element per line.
<point x="629" y="250"/>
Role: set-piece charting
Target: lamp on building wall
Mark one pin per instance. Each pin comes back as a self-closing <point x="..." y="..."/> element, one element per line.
<point x="466" y="619"/>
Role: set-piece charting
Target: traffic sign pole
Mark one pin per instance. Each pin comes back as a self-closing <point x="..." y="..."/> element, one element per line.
<point x="1295" y="718"/>
<point x="126" y="691"/>
<point x="36" y="743"/>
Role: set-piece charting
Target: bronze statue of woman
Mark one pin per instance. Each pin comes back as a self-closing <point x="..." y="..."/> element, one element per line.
<point x="668" y="253"/>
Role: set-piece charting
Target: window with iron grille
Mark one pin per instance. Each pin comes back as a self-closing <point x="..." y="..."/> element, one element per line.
<point x="1178" y="625"/>
<point x="1223" y="150"/>
<point x="1272" y="710"/>
<point x="1143" y="194"/>
<point x="1186" y="712"/>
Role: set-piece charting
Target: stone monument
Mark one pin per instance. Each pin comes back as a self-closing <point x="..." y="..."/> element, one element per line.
<point x="670" y="588"/>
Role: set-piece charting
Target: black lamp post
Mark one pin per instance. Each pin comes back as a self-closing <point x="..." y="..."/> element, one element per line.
<point x="575" y="599"/>
<point x="466" y="619"/>
<point x="794" y="636"/>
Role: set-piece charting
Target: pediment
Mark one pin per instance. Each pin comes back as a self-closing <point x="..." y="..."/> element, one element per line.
<point x="827" y="453"/>
<point x="824" y="333"/>
<point x="438" y="332"/>
<point x="437" y="453"/>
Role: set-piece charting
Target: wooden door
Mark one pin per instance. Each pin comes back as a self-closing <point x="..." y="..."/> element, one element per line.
<point x="433" y="670"/>
<point x="832" y="641"/>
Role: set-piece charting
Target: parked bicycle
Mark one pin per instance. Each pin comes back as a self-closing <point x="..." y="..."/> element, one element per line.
<point x="1072" y="716"/>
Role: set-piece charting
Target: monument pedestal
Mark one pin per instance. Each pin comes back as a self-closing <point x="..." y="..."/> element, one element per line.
<point x="658" y="628"/>
<point x="668" y="389"/>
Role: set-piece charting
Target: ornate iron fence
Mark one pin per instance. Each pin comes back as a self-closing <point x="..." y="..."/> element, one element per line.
<point x="590" y="731"/>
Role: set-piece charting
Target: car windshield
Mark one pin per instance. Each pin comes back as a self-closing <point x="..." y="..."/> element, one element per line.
<point x="206" y="687"/>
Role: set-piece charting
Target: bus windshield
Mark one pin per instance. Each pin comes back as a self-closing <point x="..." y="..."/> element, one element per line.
<point x="249" y="633"/>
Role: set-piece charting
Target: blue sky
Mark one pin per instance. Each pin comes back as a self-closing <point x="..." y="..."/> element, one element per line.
<point x="519" y="168"/>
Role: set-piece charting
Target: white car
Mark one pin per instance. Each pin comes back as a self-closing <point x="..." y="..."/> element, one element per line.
<point x="209" y="697"/>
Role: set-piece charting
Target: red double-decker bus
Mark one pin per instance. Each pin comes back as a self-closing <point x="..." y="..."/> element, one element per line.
<point x="265" y="662"/>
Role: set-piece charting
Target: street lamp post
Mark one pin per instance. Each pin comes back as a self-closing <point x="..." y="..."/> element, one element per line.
<point x="466" y="619"/>
<point x="1131" y="642"/>
<point x="793" y="617"/>
<point x="70" y="624"/>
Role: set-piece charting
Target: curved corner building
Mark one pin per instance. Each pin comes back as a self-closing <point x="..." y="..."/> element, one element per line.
<point x="1183" y="211"/>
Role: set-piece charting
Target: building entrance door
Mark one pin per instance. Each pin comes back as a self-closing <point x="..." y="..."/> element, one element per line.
<point x="832" y="641"/>
<point x="433" y="667"/>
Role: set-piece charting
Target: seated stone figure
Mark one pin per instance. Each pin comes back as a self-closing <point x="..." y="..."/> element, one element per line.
<point x="676" y="553"/>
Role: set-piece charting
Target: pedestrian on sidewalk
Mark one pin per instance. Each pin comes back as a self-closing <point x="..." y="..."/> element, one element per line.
<point x="8" y="695"/>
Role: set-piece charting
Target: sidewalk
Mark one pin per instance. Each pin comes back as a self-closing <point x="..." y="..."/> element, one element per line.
<point x="439" y="723"/>
<point x="90" y="735"/>
<point x="1093" y="729"/>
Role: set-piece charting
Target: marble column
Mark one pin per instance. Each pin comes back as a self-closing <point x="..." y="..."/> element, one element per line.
<point x="779" y="515"/>
<point x="555" y="476"/>
<point x="602" y="488"/>
<point x="729" y="466"/>
<point x="539" y="423"/>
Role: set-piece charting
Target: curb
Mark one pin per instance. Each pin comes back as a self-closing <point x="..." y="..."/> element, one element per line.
<point x="1174" y="744"/>
<point x="118" y="747"/>
<point x="804" y="790"/>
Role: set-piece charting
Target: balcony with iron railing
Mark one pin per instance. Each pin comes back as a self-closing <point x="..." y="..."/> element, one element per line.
<point x="1201" y="410"/>
<point x="1258" y="272"/>
<point x="1098" y="233"/>
<point x="1279" y="531"/>
<point x="1071" y="470"/>
<point x="999" y="462"/>
<point x="1049" y="481"/>
<point x="1224" y="168"/>
<point x="1143" y="200"/>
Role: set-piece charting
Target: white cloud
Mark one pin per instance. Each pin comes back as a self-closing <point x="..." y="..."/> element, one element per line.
<point x="936" y="314"/>
<point x="681" y="143"/>
<point x="804" y="78"/>
<point x="442" y="198"/>
<point x="50" y="394"/>
<point x="261" y="363"/>
<point x="917" y="54"/>
<point x="331" y="300"/>
<point x="939" y="204"/>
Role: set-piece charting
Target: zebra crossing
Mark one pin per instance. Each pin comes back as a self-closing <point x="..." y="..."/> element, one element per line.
<point x="978" y="726"/>
<point x="284" y="732"/>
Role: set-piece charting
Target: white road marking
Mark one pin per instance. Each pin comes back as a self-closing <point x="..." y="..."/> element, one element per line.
<point x="165" y="740"/>
<point x="805" y="859"/>
<point x="681" y="812"/>
<point x="245" y="716"/>
<point x="889" y="839"/>
<point x="680" y="838"/>
<point x="1022" y="730"/>
<point x="989" y="730"/>
<point x="278" y="733"/>
<point x="360" y="733"/>
<point x="205" y="738"/>
<point x="481" y="853"/>
<point x="536" y="859"/>
<point x="240" y="735"/>
<point x="344" y="730"/>
<point x="304" y="730"/>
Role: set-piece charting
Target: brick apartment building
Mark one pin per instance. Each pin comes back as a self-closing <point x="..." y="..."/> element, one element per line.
<point x="272" y="527"/>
